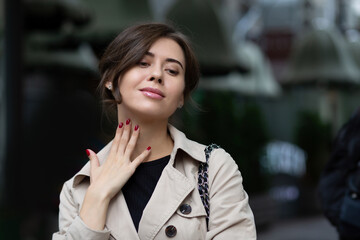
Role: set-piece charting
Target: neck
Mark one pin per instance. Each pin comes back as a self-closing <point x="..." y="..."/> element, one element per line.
<point x="154" y="134"/>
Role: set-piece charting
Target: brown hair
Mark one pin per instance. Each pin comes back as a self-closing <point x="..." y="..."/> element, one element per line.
<point x="130" y="46"/>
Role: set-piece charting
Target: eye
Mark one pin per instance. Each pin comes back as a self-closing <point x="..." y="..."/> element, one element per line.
<point x="172" y="72"/>
<point x="143" y="64"/>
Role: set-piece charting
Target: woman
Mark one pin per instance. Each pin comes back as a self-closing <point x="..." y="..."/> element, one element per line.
<point x="143" y="184"/>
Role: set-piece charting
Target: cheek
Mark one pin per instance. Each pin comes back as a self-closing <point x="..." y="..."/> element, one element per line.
<point x="177" y="91"/>
<point x="181" y="85"/>
<point x="126" y="81"/>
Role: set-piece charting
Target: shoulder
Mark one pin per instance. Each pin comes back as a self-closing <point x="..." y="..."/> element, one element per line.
<point x="224" y="172"/>
<point x="69" y="185"/>
<point x="67" y="191"/>
<point x="219" y="158"/>
<point x="73" y="192"/>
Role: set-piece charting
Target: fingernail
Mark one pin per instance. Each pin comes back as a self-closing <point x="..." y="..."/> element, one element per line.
<point x="87" y="152"/>
<point x="148" y="148"/>
<point x="121" y="125"/>
<point x="136" y="127"/>
<point x="128" y="121"/>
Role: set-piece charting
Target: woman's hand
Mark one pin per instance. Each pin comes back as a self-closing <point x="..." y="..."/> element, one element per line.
<point x="108" y="179"/>
<point x="111" y="176"/>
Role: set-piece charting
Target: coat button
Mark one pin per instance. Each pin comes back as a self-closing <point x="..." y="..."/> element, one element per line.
<point x="185" y="209"/>
<point x="170" y="231"/>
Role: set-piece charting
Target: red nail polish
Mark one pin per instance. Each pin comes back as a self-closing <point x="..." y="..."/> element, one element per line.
<point x="148" y="148"/>
<point x="121" y="125"/>
<point x="128" y="121"/>
<point x="87" y="152"/>
<point x="136" y="127"/>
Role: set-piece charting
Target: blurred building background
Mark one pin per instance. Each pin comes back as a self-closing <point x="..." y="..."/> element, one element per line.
<point x="279" y="78"/>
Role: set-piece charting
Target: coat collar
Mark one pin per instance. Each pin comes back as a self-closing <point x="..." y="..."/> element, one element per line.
<point x="193" y="149"/>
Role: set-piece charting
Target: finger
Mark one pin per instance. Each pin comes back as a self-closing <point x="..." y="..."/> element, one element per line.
<point x="117" y="138"/>
<point x="141" y="157"/>
<point x="132" y="142"/>
<point x="124" y="138"/>
<point x="94" y="161"/>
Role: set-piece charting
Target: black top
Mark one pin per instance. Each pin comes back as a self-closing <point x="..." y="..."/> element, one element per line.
<point x="139" y="188"/>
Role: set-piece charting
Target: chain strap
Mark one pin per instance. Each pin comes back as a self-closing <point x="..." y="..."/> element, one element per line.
<point x="203" y="185"/>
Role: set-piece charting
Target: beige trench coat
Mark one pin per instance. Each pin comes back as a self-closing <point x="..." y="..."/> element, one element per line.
<point x="230" y="214"/>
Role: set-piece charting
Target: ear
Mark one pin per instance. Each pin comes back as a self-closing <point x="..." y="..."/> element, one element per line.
<point x="108" y="85"/>
<point x="181" y="102"/>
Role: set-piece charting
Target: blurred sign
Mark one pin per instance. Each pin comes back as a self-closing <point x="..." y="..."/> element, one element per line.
<point x="284" y="157"/>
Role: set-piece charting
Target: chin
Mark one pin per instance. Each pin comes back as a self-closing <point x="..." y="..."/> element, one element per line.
<point x="149" y="111"/>
<point x="154" y="114"/>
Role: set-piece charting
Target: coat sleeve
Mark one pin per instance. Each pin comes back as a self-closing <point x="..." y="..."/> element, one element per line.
<point x="230" y="213"/>
<point x="71" y="227"/>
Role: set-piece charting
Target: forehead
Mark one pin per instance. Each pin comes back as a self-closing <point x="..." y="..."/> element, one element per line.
<point x="167" y="48"/>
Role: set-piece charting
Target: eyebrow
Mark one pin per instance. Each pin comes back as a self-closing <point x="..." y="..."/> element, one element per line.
<point x="167" y="59"/>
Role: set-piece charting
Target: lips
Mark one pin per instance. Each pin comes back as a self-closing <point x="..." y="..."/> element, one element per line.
<point x="152" y="92"/>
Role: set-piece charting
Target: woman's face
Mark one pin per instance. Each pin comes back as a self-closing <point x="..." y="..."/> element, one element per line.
<point x="154" y="87"/>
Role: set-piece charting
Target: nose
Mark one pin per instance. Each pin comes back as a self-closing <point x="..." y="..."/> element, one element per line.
<point x="158" y="79"/>
<point x="156" y="75"/>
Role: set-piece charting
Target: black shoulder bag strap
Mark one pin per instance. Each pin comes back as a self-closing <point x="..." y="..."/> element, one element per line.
<point x="203" y="181"/>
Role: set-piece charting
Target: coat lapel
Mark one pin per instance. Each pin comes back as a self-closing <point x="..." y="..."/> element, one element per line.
<point x="171" y="189"/>
<point x="119" y="220"/>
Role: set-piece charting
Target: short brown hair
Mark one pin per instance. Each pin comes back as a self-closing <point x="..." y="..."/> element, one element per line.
<point x="130" y="46"/>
